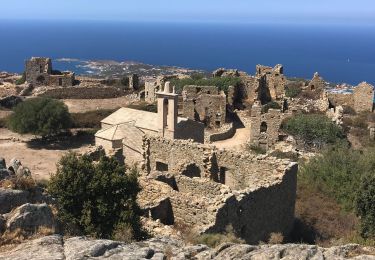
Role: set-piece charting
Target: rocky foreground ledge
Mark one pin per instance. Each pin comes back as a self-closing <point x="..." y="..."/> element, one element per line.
<point x="56" y="247"/>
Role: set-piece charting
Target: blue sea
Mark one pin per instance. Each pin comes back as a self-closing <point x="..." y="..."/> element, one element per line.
<point x="339" y="53"/>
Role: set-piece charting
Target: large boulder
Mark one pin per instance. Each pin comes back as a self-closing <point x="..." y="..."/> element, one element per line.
<point x="50" y="247"/>
<point x="11" y="199"/>
<point x="30" y="217"/>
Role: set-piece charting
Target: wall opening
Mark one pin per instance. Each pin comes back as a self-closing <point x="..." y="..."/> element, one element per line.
<point x="40" y="69"/>
<point x="263" y="127"/>
<point x="222" y="173"/>
<point x="40" y="79"/>
<point x="161" y="166"/>
<point x="312" y="87"/>
<point x="60" y="82"/>
<point x="191" y="170"/>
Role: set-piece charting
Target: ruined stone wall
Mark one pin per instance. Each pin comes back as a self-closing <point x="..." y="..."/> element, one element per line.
<point x="204" y="104"/>
<point x="82" y="93"/>
<point x="190" y="129"/>
<point x="64" y="80"/>
<point x="225" y="132"/>
<point x="270" y="84"/>
<point x="38" y="70"/>
<point x="214" y="189"/>
<point x="341" y="99"/>
<point x="363" y="98"/>
<point x="151" y="88"/>
<point x="317" y="83"/>
<point x="264" y="131"/>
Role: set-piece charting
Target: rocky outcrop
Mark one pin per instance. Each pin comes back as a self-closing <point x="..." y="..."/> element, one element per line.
<point x="11" y="199"/>
<point x="55" y="247"/>
<point x="30" y="217"/>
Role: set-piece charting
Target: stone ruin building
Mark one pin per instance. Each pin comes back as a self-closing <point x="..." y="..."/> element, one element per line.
<point x="125" y="128"/>
<point x="317" y="83"/>
<point x="209" y="189"/>
<point x="270" y="83"/>
<point x="360" y="100"/>
<point x="265" y="125"/>
<point x="39" y="72"/>
<point x="205" y="104"/>
<point x="155" y="85"/>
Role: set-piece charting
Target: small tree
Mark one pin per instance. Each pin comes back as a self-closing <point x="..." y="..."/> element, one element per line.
<point x="365" y="205"/>
<point x="97" y="199"/>
<point x="42" y="116"/>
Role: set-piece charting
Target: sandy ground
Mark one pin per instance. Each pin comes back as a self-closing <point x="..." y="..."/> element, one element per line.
<point x="40" y="158"/>
<point x="236" y="143"/>
<point x="84" y="105"/>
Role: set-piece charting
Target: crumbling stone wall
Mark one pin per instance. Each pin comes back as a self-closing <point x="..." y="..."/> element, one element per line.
<point x="264" y="131"/>
<point x="216" y="188"/>
<point x="363" y="98"/>
<point x="82" y="93"/>
<point x="39" y="73"/>
<point x="204" y="104"/>
<point x="317" y="83"/>
<point x="154" y="85"/>
<point x="270" y="81"/>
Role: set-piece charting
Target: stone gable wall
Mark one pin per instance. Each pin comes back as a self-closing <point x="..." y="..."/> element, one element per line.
<point x="257" y="196"/>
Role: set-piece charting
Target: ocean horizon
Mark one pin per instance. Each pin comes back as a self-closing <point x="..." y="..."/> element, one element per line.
<point x="341" y="54"/>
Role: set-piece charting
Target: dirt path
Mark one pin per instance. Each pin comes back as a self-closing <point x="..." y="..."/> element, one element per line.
<point x="241" y="136"/>
<point x="84" y="105"/>
<point x="41" y="159"/>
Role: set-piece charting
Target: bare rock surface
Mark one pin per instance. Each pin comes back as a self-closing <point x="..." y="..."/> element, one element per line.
<point x="30" y="217"/>
<point x="55" y="247"/>
<point x="11" y="199"/>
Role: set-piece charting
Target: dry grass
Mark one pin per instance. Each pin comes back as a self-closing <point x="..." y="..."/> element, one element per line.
<point x="320" y="219"/>
<point x="9" y="239"/>
<point x="124" y="233"/>
<point x="18" y="183"/>
<point x="276" y="238"/>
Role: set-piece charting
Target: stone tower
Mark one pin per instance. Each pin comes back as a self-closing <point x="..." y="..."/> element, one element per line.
<point x="167" y="111"/>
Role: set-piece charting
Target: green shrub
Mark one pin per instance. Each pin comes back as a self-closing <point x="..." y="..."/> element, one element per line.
<point x="98" y="199"/>
<point x="21" y="80"/>
<point x="365" y="205"/>
<point x="41" y="116"/>
<point x="313" y="129"/>
<point x="222" y="83"/>
<point x="348" y="176"/>
<point x="293" y="89"/>
<point x="270" y="105"/>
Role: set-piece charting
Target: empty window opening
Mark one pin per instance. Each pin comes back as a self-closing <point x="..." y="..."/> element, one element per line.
<point x="192" y="170"/>
<point x="198" y="90"/>
<point x="312" y="87"/>
<point x="40" y="69"/>
<point x="263" y="127"/>
<point x="161" y="166"/>
<point x="222" y="173"/>
<point x="60" y="81"/>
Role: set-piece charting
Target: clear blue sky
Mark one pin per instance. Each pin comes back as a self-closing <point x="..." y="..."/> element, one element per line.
<point x="296" y="11"/>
